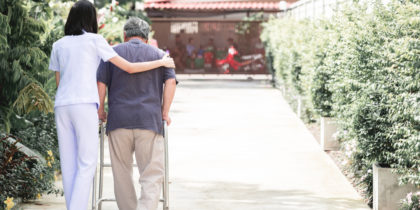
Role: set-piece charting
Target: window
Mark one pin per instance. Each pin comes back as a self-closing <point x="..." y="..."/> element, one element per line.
<point x="187" y="27"/>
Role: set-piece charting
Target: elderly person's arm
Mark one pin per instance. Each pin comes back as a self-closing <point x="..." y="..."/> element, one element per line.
<point x="168" y="96"/>
<point x="57" y="78"/>
<point x="102" y="94"/>
<point x="103" y="78"/>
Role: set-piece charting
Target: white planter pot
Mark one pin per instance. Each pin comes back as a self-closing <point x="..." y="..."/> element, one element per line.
<point x="387" y="194"/>
<point x="299" y="107"/>
<point x="328" y="131"/>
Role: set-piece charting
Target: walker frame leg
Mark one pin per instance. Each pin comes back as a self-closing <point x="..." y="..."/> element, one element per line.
<point x="101" y="168"/>
<point x="166" y="177"/>
<point x="97" y="198"/>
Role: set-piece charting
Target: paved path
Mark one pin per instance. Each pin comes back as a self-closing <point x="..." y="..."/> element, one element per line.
<point x="236" y="145"/>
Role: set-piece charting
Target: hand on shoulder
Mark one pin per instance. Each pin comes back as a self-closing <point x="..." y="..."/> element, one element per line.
<point x="168" y="62"/>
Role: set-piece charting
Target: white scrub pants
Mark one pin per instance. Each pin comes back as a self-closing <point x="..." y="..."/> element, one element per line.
<point x="77" y="129"/>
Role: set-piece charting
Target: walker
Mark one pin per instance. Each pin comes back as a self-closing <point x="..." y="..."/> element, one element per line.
<point x="98" y="199"/>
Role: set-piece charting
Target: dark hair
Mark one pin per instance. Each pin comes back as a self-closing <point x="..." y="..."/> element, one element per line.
<point x="82" y="16"/>
<point x="232" y="42"/>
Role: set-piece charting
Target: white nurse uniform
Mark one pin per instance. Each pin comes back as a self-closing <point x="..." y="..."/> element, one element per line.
<point x="77" y="59"/>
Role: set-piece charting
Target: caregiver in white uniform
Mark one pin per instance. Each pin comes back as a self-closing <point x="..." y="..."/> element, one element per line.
<point x="76" y="58"/>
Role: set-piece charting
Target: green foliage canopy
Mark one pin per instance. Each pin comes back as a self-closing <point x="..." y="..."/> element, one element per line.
<point x="23" y="64"/>
<point x="361" y="67"/>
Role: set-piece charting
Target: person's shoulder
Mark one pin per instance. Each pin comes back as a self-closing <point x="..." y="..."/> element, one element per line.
<point x="60" y="42"/>
<point x="98" y="38"/>
<point x="93" y="35"/>
<point x="120" y="47"/>
<point x="154" y="50"/>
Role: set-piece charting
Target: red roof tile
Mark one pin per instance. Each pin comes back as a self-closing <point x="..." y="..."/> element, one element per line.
<point x="224" y="5"/>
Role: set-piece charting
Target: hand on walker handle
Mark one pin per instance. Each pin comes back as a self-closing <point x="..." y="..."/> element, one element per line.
<point x="102" y="115"/>
<point x="166" y="119"/>
<point x="168" y="62"/>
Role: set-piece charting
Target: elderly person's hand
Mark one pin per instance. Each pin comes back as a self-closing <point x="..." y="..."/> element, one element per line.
<point x="168" y="62"/>
<point x="102" y="114"/>
<point x="166" y="118"/>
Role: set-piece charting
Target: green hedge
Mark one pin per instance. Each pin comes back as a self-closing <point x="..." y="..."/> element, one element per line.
<point x="362" y="67"/>
<point x="28" y="29"/>
<point x="291" y="61"/>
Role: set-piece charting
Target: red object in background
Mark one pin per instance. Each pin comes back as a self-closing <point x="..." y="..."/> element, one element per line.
<point x="230" y="59"/>
<point x="111" y="8"/>
<point x="208" y="57"/>
<point x="153" y="42"/>
<point x="102" y="26"/>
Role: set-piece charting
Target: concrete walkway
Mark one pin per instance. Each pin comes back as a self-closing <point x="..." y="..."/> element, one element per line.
<point x="236" y="145"/>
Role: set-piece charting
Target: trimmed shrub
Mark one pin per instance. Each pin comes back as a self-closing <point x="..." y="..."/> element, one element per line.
<point x="292" y="62"/>
<point x="361" y="67"/>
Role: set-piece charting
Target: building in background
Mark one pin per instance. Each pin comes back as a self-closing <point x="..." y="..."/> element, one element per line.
<point x="197" y="32"/>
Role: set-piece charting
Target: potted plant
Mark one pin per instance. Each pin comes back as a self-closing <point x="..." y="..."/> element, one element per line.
<point x="387" y="192"/>
<point x="322" y="99"/>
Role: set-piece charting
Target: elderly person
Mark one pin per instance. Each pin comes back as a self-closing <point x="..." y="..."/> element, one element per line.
<point x="137" y="105"/>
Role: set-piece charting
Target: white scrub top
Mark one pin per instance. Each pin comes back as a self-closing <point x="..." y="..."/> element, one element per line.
<point x="77" y="59"/>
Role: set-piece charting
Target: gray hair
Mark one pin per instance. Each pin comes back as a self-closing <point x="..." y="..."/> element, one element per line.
<point x="136" y="27"/>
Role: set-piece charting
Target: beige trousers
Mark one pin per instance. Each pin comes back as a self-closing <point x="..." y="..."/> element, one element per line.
<point x="149" y="150"/>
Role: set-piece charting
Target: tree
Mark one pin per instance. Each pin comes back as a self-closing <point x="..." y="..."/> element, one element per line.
<point x="23" y="63"/>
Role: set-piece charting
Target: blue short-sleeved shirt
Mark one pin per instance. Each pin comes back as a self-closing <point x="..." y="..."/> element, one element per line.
<point x="135" y="100"/>
<point x="77" y="59"/>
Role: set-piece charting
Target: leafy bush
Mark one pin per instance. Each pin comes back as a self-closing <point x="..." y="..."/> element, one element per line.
<point x="376" y="87"/>
<point x="112" y="18"/>
<point x="23" y="64"/>
<point x="25" y="44"/>
<point x="40" y="135"/>
<point x="22" y="176"/>
<point x="325" y="63"/>
<point x="361" y="67"/>
<point x="292" y="63"/>
<point x="411" y="202"/>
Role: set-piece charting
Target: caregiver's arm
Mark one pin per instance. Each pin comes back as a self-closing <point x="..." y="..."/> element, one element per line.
<point x="168" y="96"/>
<point x="57" y="78"/>
<point x="102" y="93"/>
<point x="131" y="68"/>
